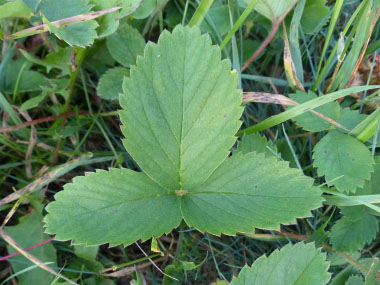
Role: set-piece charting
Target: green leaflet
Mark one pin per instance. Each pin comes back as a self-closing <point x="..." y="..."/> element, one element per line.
<point x="273" y="9"/>
<point x="350" y="118"/>
<point x="18" y="73"/>
<point x="125" y="45"/>
<point x="358" y="225"/>
<point x="297" y="264"/>
<point x="146" y="8"/>
<point x="110" y="84"/>
<point x="110" y="22"/>
<point x="56" y="9"/>
<point x="82" y="34"/>
<point x="241" y="194"/>
<point x="14" y="9"/>
<point x="116" y="206"/>
<point x="310" y="121"/>
<point x="32" y="4"/>
<point x="343" y="160"/>
<point x="29" y="232"/>
<point x="354" y="280"/>
<point x="181" y="113"/>
<point x="356" y="228"/>
<point x="313" y="14"/>
<point x="177" y="89"/>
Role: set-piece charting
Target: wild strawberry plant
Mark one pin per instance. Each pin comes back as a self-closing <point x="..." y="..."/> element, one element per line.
<point x="182" y="112"/>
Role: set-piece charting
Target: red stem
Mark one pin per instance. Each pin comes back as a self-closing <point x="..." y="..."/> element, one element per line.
<point x="276" y="24"/>
<point x="27" y="249"/>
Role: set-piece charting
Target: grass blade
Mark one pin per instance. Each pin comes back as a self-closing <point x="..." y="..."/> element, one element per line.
<point x="200" y="13"/>
<point x="300" y="109"/>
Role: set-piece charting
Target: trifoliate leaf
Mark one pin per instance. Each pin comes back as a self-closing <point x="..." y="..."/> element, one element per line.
<point x="257" y="143"/>
<point x="115" y="206"/>
<point x="110" y="84"/>
<point x="181" y="113"/>
<point x="82" y="34"/>
<point x="241" y="195"/>
<point x="353" y="231"/>
<point x="310" y="121"/>
<point x="125" y="45"/>
<point x="297" y="264"/>
<point x="343" y="160"/>
<point x="29" y="232"/>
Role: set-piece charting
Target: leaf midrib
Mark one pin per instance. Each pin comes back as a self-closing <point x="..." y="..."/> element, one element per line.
<point x="182" y="118"/>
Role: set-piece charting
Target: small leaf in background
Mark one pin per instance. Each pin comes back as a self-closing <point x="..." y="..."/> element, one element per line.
<point x="257" y="143"/>
<point x="313" y="14"/>
<point x="29" y="232"/>
<point x="273" y="9"/>
<point x="87" y="257"/>
<point x="82" y="34"/>
<point x="354" y="280"/>
<point x="350" y="118"/>
<point x="344" y="161"/>
<point x="61" y="60"/>
<point x="56" y="9"/>
<point x="310" y="121"/>
<point x="18" y="73"/>
<point x="33" y="4"/>
<point x="109" y="23"/>
<point x="220" y="17"/>
<point x="129" y="6"/>
<point x="178" y="270"/>
<point x="110" y="84"/>
<point x="32" y="102"/>
<point x="358" y="225"/>
<point x="14" y="9"/>
<point x="125" y="45"/>
<point x="146" y="8"/>
<point x="293" y="264"/>
<point x="354" y="230"/>
<point x="336" y="259"/>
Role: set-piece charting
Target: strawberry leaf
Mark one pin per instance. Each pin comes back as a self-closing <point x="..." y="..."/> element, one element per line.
<point x="181" y="110"/>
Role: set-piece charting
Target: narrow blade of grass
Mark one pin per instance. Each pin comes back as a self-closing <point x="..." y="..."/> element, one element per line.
<point x="300" y="109"/>
<point x="200" y="13"/>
